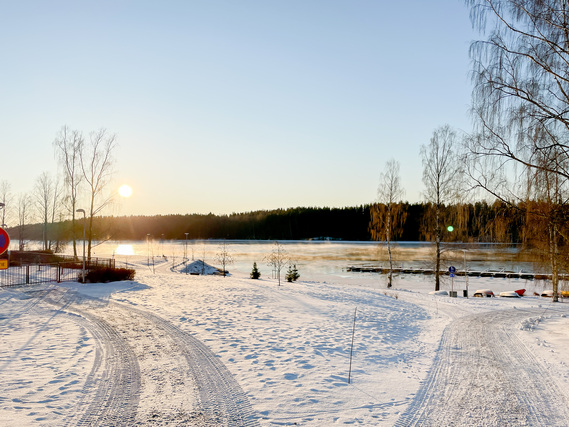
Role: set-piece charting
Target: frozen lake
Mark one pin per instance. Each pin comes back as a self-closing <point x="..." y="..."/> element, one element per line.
<point x="315" y="258"/>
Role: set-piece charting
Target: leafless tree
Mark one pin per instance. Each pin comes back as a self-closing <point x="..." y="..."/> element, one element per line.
<point x="547" y="205"/>
<point x="68" y="145"/>
<point x="47" y="196"/>
<point x="96" y="164"/>
<point x="520" y="78"/>
<point x="521" y="105"/>
<point x="43" y="194"/>
<point x="442" y="178"/>
<point x="224" y="257"/>
<point x="5" y="198"/>
<point x="388" y="214"/>
<point x="24" y="218"/>
<point x="277" y="259"/>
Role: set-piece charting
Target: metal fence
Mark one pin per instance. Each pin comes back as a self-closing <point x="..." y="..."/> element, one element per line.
<point x="65" y="271"/>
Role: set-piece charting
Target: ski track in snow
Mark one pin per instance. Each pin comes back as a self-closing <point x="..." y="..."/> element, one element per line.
<point x="484" y="375"/>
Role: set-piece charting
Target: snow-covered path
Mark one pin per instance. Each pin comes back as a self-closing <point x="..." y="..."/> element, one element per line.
<point x="140" y="362"/>
<point x="483" y="374"/>
<point x="145" y="357"/>
<point x="177" y="349"/>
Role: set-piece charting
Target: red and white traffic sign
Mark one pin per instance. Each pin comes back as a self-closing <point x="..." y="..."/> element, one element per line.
<point x="4" y="241"/>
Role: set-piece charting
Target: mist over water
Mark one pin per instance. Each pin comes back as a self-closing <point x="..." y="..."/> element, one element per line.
<point x="316" y="258"/>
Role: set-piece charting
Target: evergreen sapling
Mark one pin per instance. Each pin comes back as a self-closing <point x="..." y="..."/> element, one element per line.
<point x="255" y="273"/>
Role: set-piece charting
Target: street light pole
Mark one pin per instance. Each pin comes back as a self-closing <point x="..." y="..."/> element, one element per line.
<point x="465" y="272"/>
<point x="84" y="218"/>
<point x="186" y="253"/>
<point x="148" y="250"/>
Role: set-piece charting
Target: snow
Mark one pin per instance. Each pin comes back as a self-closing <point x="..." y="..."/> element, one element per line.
<point x="287" y="348"/>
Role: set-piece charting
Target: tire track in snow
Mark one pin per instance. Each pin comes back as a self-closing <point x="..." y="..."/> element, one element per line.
<point x="32" y="297"/>
<point x="484" y="375"/>
<point x="112" y="390"/>
<point x="112" y="387"/>
<point x="222" y="401"/>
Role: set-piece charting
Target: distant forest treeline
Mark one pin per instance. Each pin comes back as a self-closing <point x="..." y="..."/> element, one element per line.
<point x="479" y="221"/>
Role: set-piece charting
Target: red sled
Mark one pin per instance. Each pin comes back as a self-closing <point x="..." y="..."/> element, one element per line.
<point x="520" y="292"/>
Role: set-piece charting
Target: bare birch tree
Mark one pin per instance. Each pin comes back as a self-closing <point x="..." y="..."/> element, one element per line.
<point x="388" y="214"/>
<point x="548" y="199"/>
<point x="277" y="259"/>
<point x="96" y="164"/>
<point x="24" y="218"/>
<point x="442" y="177"/>
<point x="521" y="105"/>
<point x="68" y="145"/>
<point x="47" y="200"/>
<point x="224" y="257"/>
<point x="43" y="193"/>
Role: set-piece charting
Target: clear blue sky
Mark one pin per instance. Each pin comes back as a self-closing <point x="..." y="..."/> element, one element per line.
<point x="231" y="106"/>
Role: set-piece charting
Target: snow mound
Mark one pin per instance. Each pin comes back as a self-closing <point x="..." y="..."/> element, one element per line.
<point x="530" y="324"/>
<point x="200" y="267"/>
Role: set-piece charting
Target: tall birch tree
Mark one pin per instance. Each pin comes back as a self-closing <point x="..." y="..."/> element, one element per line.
<point x="441" y="177"/>
<point x="520" y="103"/>
<point x="47" y="195"/>
<point x="68" y="145"/>
<point x="97" y="167"/>
<point x="24" y="218"/>
<point x="388" y="214"/>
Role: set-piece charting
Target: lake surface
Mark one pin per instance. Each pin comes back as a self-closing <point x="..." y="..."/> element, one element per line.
<point x="315" y="258"/>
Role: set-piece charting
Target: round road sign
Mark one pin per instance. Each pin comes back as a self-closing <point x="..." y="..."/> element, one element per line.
<point x="451" y="269"/>
<point x="4" y="241"/>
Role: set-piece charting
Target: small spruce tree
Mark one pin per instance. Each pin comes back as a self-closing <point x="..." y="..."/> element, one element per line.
<point x="255" y="273"/>
<point x="292" y="273"/>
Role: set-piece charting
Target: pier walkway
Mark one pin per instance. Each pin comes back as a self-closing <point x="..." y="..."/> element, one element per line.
<point x="470" y="273"/>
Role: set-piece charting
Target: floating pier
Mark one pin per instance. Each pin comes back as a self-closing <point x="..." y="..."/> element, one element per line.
<point x="470" y="273"/>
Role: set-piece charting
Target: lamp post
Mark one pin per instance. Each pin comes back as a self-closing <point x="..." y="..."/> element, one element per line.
<point x="148" y="250"/>
<point x="186" y="253"/>
<point x="83" y="212"/>
<point x="465" y="272"/>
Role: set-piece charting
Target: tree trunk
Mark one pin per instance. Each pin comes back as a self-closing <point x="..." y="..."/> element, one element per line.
<point x="74" y="234"/>
<point x="437" y="251"/>
<point x="388" y="238"/>
<point x="553" y="260"/>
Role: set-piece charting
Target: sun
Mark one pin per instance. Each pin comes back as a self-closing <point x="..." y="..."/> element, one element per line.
<point x="125" y="190"/>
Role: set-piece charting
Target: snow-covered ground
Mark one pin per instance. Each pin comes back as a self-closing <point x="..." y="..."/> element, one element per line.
<point x="179" y="349"/>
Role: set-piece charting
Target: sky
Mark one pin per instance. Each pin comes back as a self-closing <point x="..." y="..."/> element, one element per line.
<point x="234" y="106"/>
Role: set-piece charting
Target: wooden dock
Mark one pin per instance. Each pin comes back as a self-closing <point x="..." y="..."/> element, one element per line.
<point x="471" y="273"/>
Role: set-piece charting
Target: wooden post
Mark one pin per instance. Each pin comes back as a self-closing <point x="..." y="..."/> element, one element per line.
<point x="352" y="348"/>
